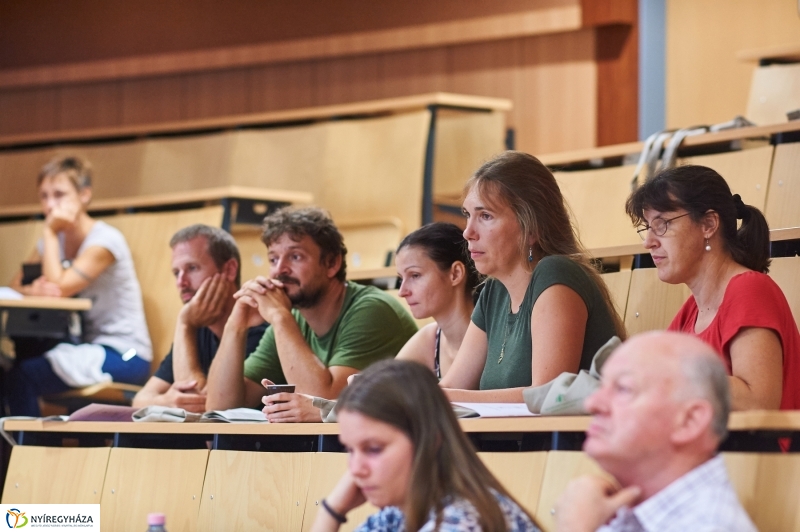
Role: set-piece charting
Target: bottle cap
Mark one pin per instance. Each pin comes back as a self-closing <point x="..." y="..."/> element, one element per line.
<point x="155" y="519"/>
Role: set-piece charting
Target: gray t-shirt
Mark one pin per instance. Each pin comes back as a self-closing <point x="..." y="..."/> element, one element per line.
<point x="116" y="318"/>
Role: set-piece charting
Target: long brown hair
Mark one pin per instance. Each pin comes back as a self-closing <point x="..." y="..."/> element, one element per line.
<point x="522" y="182"/>
<point x="406" y="395"/>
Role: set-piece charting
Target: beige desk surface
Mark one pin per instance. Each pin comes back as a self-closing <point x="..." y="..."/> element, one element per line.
<point x="325" y="112"/>
<point x="739" y="421"/>
<point x="376" y="273"/>
<point x="176" y="198"/>
<point x="619" y="150"/>
<point x="51" y="303"/>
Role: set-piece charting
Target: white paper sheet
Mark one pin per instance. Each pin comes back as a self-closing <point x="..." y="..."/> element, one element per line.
<point x="498" y="409"/>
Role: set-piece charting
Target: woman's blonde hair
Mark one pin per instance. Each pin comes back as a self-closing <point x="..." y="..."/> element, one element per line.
<point x="77" y="170"/>
<point x="407" y="396"/>
<point x="522" y="182"/>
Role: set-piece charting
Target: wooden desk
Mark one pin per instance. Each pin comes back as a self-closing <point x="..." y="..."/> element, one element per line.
<point x="40" y="317"/>
<point x="47" y="303"/>
<point x="534" y="433"/>
<point x="246" y="205"/>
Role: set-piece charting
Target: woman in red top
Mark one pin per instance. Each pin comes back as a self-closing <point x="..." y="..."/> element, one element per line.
<point x="687" y="218"/>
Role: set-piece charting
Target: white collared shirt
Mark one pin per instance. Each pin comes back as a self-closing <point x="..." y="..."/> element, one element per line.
<point x="702" y="500"/>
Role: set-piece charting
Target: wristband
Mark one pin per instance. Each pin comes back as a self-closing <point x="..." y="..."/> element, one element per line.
<point x="333" y="513"/>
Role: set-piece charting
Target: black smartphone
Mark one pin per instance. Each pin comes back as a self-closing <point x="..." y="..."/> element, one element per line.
<point x="278" y="388"/>
<point x="31" y="271"/>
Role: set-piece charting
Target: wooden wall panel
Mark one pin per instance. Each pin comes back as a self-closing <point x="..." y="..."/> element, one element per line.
<point x="706" y="84"/>
<point x="414" y="72"/>
<point x="348" y="79"/>
<point x="284" y="86"/>
<point x="28" y="110"/>
<point x="150" y="101"/>
<point x="90" y="105"/>
<point x="557" y="108"/>
<point x="216" y="93"/>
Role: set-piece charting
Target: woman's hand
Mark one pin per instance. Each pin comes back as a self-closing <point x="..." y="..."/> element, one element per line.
<point x="64" y="215"/>
<point x="290" y="408"/>
<point x="42" y="287"/>
<point x="345" y="497"/>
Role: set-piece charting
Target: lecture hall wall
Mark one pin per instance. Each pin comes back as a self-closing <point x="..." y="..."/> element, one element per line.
<point x="568" y="65"/>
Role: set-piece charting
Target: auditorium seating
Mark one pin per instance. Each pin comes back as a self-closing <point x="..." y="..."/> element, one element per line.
<point x="239" y="490"/>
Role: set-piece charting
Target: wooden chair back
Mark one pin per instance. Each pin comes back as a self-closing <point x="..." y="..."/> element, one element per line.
<point x="255" y="491"/>
<point x="785" y="271"/>
<point x="619" y="285"/>
<point x="142" y="481"/>
<point x="784" y="187"/>
<point x="55" y="475"/>
<point x="652" y="304"/>
<point x="520" y="473"/>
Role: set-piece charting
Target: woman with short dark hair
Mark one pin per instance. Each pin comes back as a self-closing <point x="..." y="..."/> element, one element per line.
<point x="687" y="218"/>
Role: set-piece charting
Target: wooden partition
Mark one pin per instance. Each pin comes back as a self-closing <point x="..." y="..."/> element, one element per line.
<point x="784" y="190"/>
<point x="327" y="469"/>
<point x="619" y="284"/>
<point x="521" y="474"/>
<point x="55" y="475"/>
<point x="746" y="171"/>
<point x="18" y="241"/>
<point x="786" y="272"/>
<point x="597" y="200"/>
<point x="254" y="491"/>
<point x="652" y="303"/>
<point x="765" y="483"/>
<point x="142" y="481"/>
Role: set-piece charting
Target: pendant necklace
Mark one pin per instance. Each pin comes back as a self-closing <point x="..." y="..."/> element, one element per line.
<point x="505" y="336"/>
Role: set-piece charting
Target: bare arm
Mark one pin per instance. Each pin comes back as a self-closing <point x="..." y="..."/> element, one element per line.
<point x="301" y="366"/>
<point x="227" y="386"/>
<point x="757" y="367"/>
<point x="465" y="373"/>
<point x="179" y="395"/>
<point x="205" y="308"/>
<point x="85" y="268"/>
<point x="558" y="324"/>
<point x="420" y="347"/>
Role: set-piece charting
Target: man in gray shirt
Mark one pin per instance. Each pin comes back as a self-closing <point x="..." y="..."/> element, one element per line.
<point x="658" y="419"/>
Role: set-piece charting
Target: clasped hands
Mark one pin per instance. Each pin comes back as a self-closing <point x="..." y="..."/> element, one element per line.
<point x="63" y="216"/>
<point x="265" y="297"/>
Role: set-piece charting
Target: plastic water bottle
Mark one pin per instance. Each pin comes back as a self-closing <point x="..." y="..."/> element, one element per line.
<point x="155" y="523"/>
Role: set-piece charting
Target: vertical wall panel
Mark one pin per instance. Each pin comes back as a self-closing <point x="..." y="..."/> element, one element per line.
<point x="220" y="93"/>
<point x="350" y="79"/>
<point x="413" y="72"/>
<point x="24" y="110"/>
<point x="283" y="86"/>
<point x="90" y="106"/>
<point x="152" y="100"/>
<point x="558" y="80"/>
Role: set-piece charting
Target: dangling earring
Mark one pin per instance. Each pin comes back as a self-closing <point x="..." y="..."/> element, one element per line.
<point x="708" y="246"/>
<point x="530" y="254"/>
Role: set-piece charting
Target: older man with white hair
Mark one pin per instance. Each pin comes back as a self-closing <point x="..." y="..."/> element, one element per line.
<point x="658" y="419"/>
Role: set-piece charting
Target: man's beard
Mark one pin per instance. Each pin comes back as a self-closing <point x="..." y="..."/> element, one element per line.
<point x="303" y="298"/>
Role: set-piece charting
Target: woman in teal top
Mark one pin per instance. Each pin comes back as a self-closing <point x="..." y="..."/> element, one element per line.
<point x="544" y="310"/>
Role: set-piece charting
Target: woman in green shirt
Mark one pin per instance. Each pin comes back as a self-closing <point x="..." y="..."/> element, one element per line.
<point x="544" y="310"/>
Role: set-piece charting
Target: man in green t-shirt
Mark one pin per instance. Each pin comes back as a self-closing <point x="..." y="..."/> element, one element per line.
<point x="323" y="328"/>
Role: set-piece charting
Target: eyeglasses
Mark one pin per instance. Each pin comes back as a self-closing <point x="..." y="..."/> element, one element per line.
<point x="659" y="226"/>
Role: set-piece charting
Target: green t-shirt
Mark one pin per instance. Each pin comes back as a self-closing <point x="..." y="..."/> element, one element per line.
<point x="372" y="325"/>
<point x="493" y="315"/>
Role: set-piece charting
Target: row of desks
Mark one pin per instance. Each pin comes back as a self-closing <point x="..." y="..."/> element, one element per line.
<point x="748" y="431"/>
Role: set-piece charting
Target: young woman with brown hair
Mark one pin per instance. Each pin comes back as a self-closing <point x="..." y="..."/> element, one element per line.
<point x="409" y="457"/>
